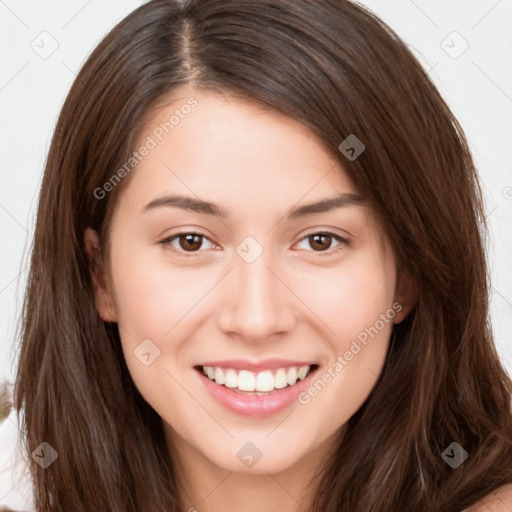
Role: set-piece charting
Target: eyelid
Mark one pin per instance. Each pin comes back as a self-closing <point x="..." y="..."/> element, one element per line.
<point x="344" y="241"/>
<point x="168" y="239"/>
<point x="344" y="238"/>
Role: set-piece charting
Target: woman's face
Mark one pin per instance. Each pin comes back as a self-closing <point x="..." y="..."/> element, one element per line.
<point x="266" y="284"/>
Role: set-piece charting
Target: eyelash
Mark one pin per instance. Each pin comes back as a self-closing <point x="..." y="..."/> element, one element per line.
<point x="343" y="242"/>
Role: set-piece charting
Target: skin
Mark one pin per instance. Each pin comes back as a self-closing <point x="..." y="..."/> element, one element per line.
<point x="295" y="301"/>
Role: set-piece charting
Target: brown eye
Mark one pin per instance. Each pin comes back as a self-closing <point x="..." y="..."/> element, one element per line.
<point x="321" y="242"/>
<point x="188" y="242"/>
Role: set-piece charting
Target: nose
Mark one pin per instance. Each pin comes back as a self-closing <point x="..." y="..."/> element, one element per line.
<point x="257" y="301"/>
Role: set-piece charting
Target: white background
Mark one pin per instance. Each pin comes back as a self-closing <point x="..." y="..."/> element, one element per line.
<point x="477" y="85"/>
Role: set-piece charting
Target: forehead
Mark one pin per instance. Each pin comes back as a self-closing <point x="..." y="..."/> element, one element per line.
<point x="224" y="148"/>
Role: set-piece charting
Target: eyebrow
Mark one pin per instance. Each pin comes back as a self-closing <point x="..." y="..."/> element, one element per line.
<point x="208" y="208"/>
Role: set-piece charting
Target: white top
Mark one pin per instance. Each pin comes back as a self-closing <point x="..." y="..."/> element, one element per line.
<point x="16" y="492"/>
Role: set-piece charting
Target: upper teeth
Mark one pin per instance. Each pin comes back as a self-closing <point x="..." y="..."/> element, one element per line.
<point x="267" y="380"/>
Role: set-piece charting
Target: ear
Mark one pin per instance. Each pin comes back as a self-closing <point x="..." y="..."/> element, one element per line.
<point x="103" y="295"/>
<point x="406" y="296"/>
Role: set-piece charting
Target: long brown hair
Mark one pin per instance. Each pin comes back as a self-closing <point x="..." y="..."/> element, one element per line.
<point x="337" y="68"/>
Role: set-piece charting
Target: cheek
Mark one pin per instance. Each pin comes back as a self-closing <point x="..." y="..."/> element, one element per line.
<point x="355" y="304"/>
<point x="152" y="297"/>
<point x="150" y="300"/>
<point x="351" y="297"/>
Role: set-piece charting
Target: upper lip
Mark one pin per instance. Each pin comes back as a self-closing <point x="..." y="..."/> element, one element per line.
<point x="255" y="366"/>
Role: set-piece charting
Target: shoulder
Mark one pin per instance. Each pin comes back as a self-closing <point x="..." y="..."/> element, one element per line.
<point x="16" y="491"/>
<point x="499" y="500"/>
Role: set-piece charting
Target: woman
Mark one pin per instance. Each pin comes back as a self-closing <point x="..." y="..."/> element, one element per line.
<point x="254" y="284"/>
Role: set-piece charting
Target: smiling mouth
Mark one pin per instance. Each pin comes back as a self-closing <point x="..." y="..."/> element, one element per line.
<point x="260" y="383"/>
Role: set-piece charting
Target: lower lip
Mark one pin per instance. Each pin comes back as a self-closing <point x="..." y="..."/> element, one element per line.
<point x="255" y="406"/>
